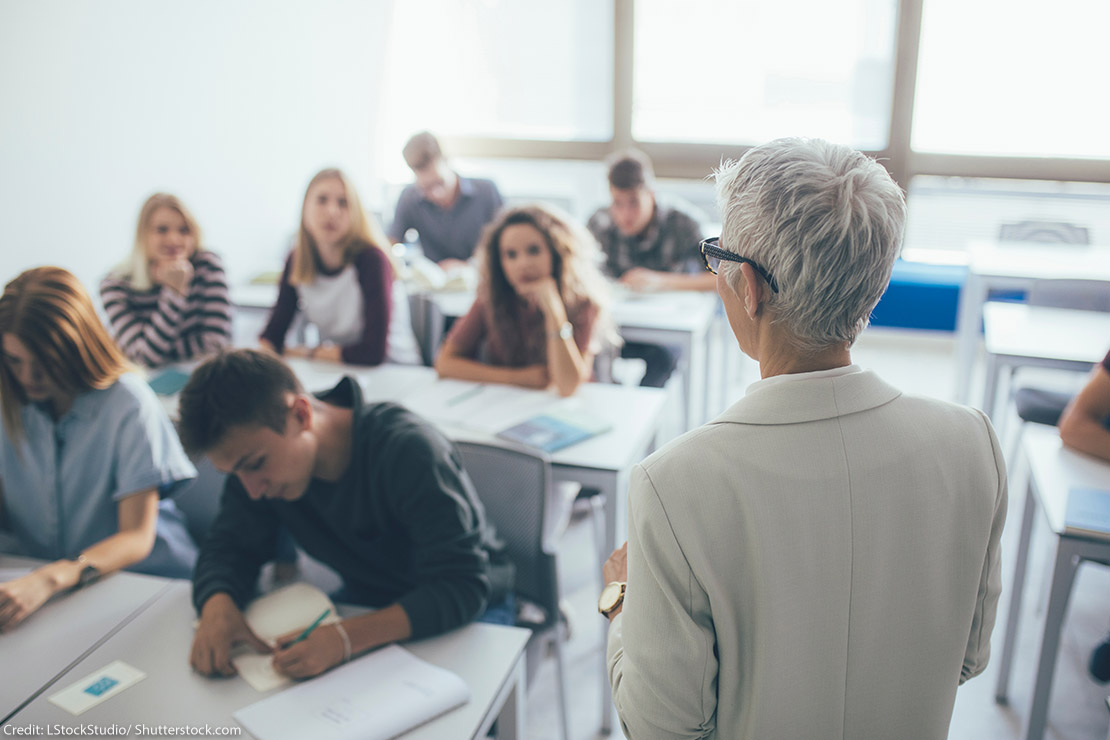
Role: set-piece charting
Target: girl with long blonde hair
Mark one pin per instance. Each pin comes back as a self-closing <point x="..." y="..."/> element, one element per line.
<point x="168" y="301"/>
<point x="341" y="274"/>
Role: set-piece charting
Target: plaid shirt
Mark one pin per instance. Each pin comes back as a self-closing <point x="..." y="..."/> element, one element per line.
<point x="668" y="244"/>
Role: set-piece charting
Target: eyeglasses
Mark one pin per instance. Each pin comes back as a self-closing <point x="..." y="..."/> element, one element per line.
<point x="712" y="255"/>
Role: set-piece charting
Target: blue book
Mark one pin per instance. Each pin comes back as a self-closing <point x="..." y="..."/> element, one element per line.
<point x="1088" y="513"/>
<point x="553" y="431"/>
<point x="168" y="382"/>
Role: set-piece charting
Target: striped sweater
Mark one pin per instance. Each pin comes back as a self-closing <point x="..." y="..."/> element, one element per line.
<point x="159" y="326"/>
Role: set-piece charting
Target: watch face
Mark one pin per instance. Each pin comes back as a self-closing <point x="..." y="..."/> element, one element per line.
<point x="611" y="596"/>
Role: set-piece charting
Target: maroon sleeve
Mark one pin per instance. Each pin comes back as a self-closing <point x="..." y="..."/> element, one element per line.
<point x="281" y="315"/>
<point x="468" y="332"/>
<point x="375" y="278"/>
<point x="1106" y="362"/>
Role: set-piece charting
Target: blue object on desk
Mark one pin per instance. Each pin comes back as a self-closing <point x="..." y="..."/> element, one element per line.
<point x="168" y="382"/>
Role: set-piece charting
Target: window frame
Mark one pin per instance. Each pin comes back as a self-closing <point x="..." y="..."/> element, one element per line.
<point x="694" y="161"/>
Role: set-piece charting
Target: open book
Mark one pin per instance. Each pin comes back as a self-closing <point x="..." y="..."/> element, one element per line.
<point x="272" y="615"/>
<point x="378" y="696"/>
<point x="1088" y="513"/>
<point x="555" y="429"/>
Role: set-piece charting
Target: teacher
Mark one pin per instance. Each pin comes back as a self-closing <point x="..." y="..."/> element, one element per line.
<point x="822" y="560"/>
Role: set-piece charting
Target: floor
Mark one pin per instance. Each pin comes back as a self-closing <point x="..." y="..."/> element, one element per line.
<point x="921" y="364"/>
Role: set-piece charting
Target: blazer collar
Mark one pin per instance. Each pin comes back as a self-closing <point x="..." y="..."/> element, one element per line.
<point x="810" y="399"/>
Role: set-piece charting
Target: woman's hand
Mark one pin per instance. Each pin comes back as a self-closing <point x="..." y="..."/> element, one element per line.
<point x="544" y="295"/>
<point x="23" y="596"/>
<point x="175" y="274"/>
<point x="321" y="650"/>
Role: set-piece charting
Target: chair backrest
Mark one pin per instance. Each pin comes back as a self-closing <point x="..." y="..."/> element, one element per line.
<point x="199" y="499"/>
<point x="1087" y="295"/>
<point x="513" y="484"/>
<point x="1048" y="232"/>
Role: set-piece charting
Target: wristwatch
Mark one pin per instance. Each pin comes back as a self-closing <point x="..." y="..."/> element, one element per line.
<point x="87" y="575"/>
<point x="566" y="331"/>
<point x="612" y="596"/>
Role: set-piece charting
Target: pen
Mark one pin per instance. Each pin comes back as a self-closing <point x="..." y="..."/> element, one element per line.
<point x="309" y="628"/>
<point x="466" y="394"/>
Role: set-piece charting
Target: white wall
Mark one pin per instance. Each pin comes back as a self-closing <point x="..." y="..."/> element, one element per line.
<point x="230" y="105"/>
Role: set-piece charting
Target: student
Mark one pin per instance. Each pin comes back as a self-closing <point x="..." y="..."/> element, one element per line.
<point x="448" y="211"/>
<point x="1085" y="426"/>
<point x="540" y="304"/>
<point x="168" y="301"/>
<point x="340" y="273"/>
<point x="369" y="489"/>
<point x="649" y="244"/>
<point x="85" y="451"/>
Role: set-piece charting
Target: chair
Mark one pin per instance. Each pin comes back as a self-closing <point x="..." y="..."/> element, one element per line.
<point x="1046" y="232"/>
<point x="515" y="486"/>
<point x="1036" y="405"/>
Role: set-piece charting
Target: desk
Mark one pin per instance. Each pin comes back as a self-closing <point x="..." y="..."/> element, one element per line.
<point x="681" y="319"/>
<point x="1014" y="266"/>
<point x="1053" y="470"/>
<point x="1019" y="335"/>
<point x="488" y="657"/>
<point x="66" y="629"/>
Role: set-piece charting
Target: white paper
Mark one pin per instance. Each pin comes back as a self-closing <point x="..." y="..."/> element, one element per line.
<point x="375" y="697"/>
<point x="10" y="574"/>
<point x="280" y="612"/>
<point x="97" y="687"/>
<point x="483" y="407"/>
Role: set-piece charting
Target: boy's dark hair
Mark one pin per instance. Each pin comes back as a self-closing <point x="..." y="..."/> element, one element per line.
<point x="240" y="387"/>
<point x="631" y="170"/>
<point x="421" y="150"/>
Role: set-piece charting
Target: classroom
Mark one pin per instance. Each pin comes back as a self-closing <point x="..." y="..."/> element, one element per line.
<point x="368" y="349"/>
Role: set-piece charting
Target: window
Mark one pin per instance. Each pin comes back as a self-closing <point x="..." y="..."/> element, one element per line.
<point x="1014" y="78"/>
<point x="512" y="69"/>
<point x="747" y="71"/>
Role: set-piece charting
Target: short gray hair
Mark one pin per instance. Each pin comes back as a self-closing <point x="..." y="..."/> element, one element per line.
<point x="825" y="221"/>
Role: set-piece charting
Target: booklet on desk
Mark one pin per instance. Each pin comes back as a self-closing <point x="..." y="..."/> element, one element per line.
<point x="555" y="430"/>
<point x="168" y="382"/>
<point x="1088" y="512"/>
<point x="375" y="697"/>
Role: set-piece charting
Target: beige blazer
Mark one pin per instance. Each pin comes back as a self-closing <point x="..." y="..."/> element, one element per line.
<point x="819" y="562"/>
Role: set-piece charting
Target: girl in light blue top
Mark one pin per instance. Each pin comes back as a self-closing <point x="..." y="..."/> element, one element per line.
<point x="86" y="451"/>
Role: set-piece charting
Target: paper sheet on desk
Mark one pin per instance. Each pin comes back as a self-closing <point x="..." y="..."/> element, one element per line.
<point x="286" y="610"/>
<point x="375" y="697"/>
<point x="483" y="407"/>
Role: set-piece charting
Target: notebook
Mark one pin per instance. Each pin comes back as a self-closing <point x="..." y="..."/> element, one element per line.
<point x="1088" y="513"/>
<point x="375" y="697"/>
<point x="555" y="429"/>
<point x="168" y="382"/>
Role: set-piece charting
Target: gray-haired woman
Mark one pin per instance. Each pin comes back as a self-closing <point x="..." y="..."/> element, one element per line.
<point x="822" y="559"/>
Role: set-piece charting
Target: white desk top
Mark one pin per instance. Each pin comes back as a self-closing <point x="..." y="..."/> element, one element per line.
<point x="157" y="642"/>
<point x="633" y="412"/>
<point x="65" y="629"/>
<point x="1020" y="330"/>
<point x="1040" y="261"/>
<point x="1056" y="469"/>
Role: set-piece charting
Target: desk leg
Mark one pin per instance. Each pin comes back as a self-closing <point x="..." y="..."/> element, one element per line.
<point x="1063" y="576"/>
<point x="1001" y="692"/>
<point x="990" y="387"/>
<point x="617" y="529"/>
<point x="686" y="367"/>
<point x="510" y="720"/>
<point x="969" y="315"/>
